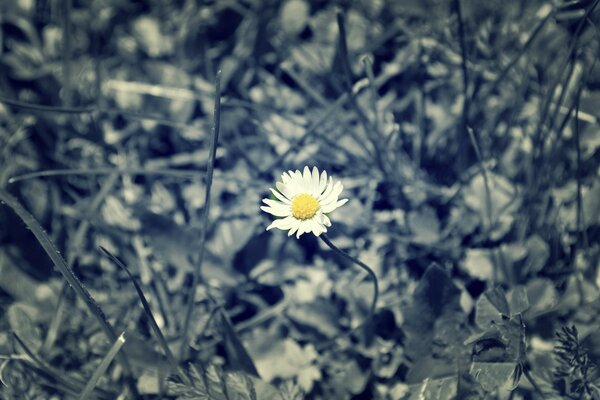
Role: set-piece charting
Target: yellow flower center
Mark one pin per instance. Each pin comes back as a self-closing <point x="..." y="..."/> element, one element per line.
<point x="304" y="206"/>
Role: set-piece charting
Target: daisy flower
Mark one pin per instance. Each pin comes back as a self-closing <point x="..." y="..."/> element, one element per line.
<point x="303" y="200"/>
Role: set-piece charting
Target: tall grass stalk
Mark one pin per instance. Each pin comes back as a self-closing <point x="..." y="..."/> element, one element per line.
<point x="203" y="233"/>
<point x="177" y="173"/>
<point x="371" y="132"/>
<point x="66" y="383"/>
<point x="70" y="277"/>
<point x="147" y="310"/>
<point x="67" y="47"/>
<point x="101" y="370"/>
<point x="464" y="119"/>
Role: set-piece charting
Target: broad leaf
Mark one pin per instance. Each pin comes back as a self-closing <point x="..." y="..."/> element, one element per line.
<point x="490" y="308"/>
<point x="434" y="296"/>
<point x="478" y="263"/>
<point x="518" y="300"/>
<point x="492" y="375"/>
<point x="542" y="296"/>
<point x="22" y="324"/>
<point x="439" y="389"/>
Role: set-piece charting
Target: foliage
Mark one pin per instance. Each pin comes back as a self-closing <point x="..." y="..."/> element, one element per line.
<point x="577" y="375"/>
<point x="212" y="383"/>
<point x="499" y="351"/>
<point x="465" y="134"/>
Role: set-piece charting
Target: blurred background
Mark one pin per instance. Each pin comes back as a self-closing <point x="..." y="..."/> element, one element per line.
<point x="465" y="134"/>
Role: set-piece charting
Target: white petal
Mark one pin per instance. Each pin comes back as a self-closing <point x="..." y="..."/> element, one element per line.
<point x="319" y="217"/>
<point x="322" y="220"/>
<point x="313" y="227"/>
<point x="328" y="190"/>
<point x="298" y="183"/>
<point x="322" y="183"/>
<point x="306" y="180"/>
<point x="280" y="196"/>
<point x="284" y="189"/>
<point x="332" y="206"/>
<point x="293" y="188"/>
<point x="333" y="196"/>
<point x="278" y="212"/>
<point x="337" y="190"/>
<point x="291" y="221"/>
<point x="283" y="223"/>
<point x="291" y="177"/>
<point x="285" y="178"/>
<point x="276" y="208"/>
<point x="314" y="186"/>
<point x="295" y="226"/>
<point x="302" y="229"/>
<point x="274" y="203"/>
<point x="317" y="228"/>
<point x="306" y="175"/>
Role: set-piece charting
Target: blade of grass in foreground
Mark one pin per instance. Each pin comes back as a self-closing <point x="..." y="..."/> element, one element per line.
<point x="147" y="309"/>
<point x="55" y="378"/>
<point x="63" y="268"/>
<point x="74" y="251"/>
<point x="46" y="370"/>
<point x="91" y="384"/>
<point x="379" y="155"/>
<point x="236" y="352"/>
<point x="200" y="255"/>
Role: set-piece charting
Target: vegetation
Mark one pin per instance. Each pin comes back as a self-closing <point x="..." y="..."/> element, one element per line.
<point x="137" y="140"/>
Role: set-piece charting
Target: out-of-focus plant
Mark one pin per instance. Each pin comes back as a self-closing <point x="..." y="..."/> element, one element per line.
<point x="577" y="377"/>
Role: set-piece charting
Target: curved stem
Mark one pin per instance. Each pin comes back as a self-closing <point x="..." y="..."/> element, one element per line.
<point x="362" y="265"/>
<point x="529" y="377"/>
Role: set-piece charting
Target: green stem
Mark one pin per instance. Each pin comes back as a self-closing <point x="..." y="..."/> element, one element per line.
<point x="199" y="257"/>
<point x="86" y="393"/>
<point x="178" y="173"/>
<point x="464" y="121"/>
<point x="529" y="377"/>
<point x="362" y="265"/>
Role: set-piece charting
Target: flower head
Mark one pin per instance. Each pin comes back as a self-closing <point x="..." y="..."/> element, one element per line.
<point x="303" y="200"/>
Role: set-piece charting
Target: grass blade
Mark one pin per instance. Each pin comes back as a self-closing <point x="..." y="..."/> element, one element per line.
<point x="63" y="268"/>
<point x="56" y="321"/>
<point x="42" y="366"/>
<point x="56" y="378"/>
<point x="464" y="120"/>
<point x="44" y="108"/>
<point x="67" y="48"/>
<point x="106" y="171"/>
<point x="147" y="309"/>
<point x="379" y="155"/>
<point x="74" y="251"/>
<point x="202" y="244"/>
<point x="530" y="39"/>
<point x="91" y="384"/>
<point x="236" y="352"/>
